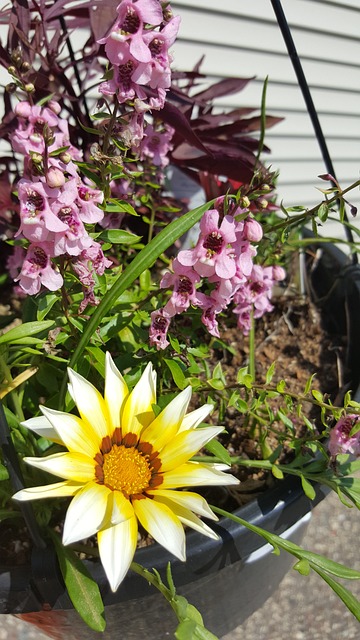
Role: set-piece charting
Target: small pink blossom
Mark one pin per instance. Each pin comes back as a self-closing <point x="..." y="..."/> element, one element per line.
<point x="156" y="145"/>
<point x="37" y="270"/>
<point x="340" y="440"/>
<point x="158" y="329"/>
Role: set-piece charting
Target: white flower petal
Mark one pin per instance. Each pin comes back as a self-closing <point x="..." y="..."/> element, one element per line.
<point x="188" y="518"/>
<point x="42" y="427"/>
<point x="57" y="490"/>
<point x="116" y="391"/>
<point x="74" y="433"/>
<point x="87" y="512"/>
<point x="117" y="546"/>
<point x="138" y="412"/>
<point x="196" y="474"/>
<point x="162" y="524"/>
<point x="166" y="424"/>
<point x="185" y="445"/>
<point x="122" y="508"/>
<point x="186" y="499"/>
<point x="194" y="418"/>
<point x="70" y="466"/>
<point x="90" y="404"/>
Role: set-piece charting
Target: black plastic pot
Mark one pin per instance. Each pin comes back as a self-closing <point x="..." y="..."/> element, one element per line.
<point x="226" y="579"/>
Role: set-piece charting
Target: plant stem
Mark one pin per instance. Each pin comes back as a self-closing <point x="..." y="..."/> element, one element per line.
<point x="14" y="394"/>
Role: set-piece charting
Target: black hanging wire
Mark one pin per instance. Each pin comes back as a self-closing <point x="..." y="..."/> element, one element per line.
<point x="294" y="57"/>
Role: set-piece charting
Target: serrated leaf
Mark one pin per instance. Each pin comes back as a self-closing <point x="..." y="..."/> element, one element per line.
<point x="83" y="591"/>
<point x="25" y="330"/>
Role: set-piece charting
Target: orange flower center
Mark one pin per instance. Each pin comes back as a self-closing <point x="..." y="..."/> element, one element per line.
<point x="127" y="465"/>
<point x="125" y="469"/>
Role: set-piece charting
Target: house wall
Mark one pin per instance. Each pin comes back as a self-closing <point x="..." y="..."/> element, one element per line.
<point x="242" y="38"/>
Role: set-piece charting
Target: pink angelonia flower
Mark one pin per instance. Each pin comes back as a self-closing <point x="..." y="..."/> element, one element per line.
<point x="208" y="319"/>
<point x="340" y="440"/>
<point x="212" y="254"/>
<point x="160" y="323"/>
<point x="75" y="238"/>
<point x="127" y="32"/>
<point x="182" y="281"/>
<point x="87" y="202"/>
<point x="29" y="134"/>
<point x="122" y="84"/>
<point x="37" y="218"/>
<point x="37" y="270"/>
<point x="156" y="145"/>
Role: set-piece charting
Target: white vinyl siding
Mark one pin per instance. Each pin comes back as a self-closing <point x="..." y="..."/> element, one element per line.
<point x="242" y="38"/>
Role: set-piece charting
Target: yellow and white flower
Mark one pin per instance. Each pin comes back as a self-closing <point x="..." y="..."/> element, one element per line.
<point x="123" y="466"/>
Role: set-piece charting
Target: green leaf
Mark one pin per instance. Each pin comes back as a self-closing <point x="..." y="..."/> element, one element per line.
<point x="177" y="373"/>
<point x="218" y="450"/>
<point x="270" y="373"/>
<point x="82" y="589"/>
<point x="350" y="601"/>
<point x="24" y="330"/>
<point x="118" y="236"/>
<point x="323" y="212"/>
<point x="317" y="395"/>
<point x="215" y="383"/>
<point x="303" y="567"/>
<point x="45" y="304"/>
<point x="277" y="473"/>
<point x="145" y="280"/>
<point x="6" y="514"/>
<point x="308" y="489"/>
<point x="188" y="629"/>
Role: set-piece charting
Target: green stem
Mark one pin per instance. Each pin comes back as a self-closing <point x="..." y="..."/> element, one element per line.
<point x="13" y="394"/>
<point x="252" y="345"/>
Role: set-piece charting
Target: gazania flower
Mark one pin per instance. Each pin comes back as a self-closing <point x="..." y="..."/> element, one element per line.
<point x="123" y="466"/>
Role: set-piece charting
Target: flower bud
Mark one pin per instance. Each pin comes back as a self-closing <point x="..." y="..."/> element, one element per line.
<point x="244" y="202"/>
<point x="25" y="67"/>
<point x="12" y="70"/>
<point x="265" y="187"/>
<point x="11" y="87"/>
<point x="29" y="87"/>
<point x="23" y="109"/>
<point x="54" y="106"/>
<point x="263" y="203"/>
<point x="253" y="230"/>
<point x="65" y="157"/>
<point x="55" y="178"/>
<point x="278" y="273"/>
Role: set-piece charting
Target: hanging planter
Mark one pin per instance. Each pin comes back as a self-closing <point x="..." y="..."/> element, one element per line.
<point x="226" y="579"/>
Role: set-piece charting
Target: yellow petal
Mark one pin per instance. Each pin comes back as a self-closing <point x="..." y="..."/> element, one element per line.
<point x="87" y="512"/>
<point x="167" y="423"/>
<point x="196" y="474"/>
<point x="70" y="466"/>
<point x="187" y="499"/>
<point x="188" y="518"/>
<point x="162" y="524"/>
<point x="116" y="391"/>
<point x="91" y="405"/>
<point x="57" y="490"/>
<point x="185" y="445"/>
<point x="117" y="546"/>
<point x="194" y="418"/>
<point x="74" y="432"/>
<point x="138" y="412"/>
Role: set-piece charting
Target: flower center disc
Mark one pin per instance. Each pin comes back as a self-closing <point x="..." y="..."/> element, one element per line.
<point x="126" y="469"/>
